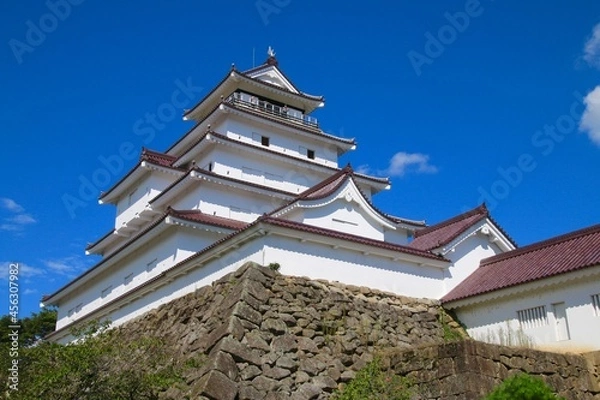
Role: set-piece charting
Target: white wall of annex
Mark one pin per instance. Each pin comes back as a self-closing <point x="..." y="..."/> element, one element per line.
<point x="488" y="321"/>
<point x="466" y="258"/>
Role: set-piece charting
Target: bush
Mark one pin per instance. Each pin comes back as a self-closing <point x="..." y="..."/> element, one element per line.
<point x="523" y="387"/>
<point x="372" y="383"/>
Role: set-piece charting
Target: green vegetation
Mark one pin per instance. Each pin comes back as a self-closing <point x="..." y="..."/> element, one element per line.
<point x="274" y="266"/>
<point x="522" y="387"/>
<point x="32" y="329"/>
<point x="373" y="383"/>
<point x="103" y="364"/>
<point x="450" y="334"/>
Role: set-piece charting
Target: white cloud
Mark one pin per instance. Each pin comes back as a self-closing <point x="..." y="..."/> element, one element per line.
<point x="67" y="266"/>
<point x="10" y="205"/>
<point x="590" y="120"/>
<point x="363" y="169"/>
<point x="22" y="219"/>
<point x="402" y="163"/>
<point x="19" y="219"/>
<point x="591" y="49"/>
<point x="24" y="270"/>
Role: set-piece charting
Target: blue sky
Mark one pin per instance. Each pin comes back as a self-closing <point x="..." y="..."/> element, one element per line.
<point x="457" y="101"/>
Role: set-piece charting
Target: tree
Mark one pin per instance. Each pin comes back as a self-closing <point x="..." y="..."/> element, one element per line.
<point x="33" y="328"/>
<point x="102" y="364"/>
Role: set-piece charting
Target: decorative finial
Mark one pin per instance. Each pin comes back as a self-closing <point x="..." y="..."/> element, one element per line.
<point x="271" y="60"/>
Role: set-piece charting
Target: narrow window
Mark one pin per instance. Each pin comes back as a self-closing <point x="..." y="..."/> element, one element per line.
<point x="130" y="198"/>
<point x="264" y="140"/>
<point x="106" y="291"/>
<point x="310" y="154"/>
<point x="151" y="265"/>
<point x="596" y="304"/>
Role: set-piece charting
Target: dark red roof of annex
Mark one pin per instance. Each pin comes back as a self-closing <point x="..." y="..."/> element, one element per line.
<point x="559" y="255"/>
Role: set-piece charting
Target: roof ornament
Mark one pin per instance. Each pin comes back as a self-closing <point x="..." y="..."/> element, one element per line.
<point x="271" y="60"/>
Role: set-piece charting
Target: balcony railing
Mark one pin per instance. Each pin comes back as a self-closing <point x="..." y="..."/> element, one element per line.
<point x="295" y="116"/>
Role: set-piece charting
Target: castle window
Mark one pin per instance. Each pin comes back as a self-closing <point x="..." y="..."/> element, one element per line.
<point x="533" y="317"/>
<point x="596" y="304"/>
<point x="151" y="265"/>
<point x="106" y="291"/>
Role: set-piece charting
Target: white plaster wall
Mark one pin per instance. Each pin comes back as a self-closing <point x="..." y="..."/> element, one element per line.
<point x="343" y="216"/>
<point x="280" y="140"/>
<point x="226" y="201"/>
<point x="165" y="250"/>
<point x="149" y="186"/>
<point x="466" y="258"/>
<point x="398" y="236"/>
<point x="486" y="320"/>
<point x="318" y="261"/>
<point x="257" y="168"/>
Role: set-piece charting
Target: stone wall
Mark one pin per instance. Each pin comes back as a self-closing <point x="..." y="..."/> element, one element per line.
<point x="468" y="370"/>
<point x="262" y="335"/>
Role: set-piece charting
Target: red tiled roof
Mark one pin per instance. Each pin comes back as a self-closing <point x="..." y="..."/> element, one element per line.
<point x="156" y="157"/>
<point x="555" y="256"/>
<point x="327" y="186"/>
<point x="199" y="216"/>
<point x="153" y="157"/>
<point x="443" y="233"/>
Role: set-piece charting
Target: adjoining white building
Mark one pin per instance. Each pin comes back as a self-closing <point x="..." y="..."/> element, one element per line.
<point x="546" y="294"/>
<point x="256" y="179"/>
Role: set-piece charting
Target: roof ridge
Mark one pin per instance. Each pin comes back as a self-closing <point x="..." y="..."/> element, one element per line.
<point x="347" y="170"/>
<point x="542" y="244"/>
<point x="481" y="209"/>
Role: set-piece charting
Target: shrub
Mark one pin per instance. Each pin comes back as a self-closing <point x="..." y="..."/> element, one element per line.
<point x="274" y="266"/>
<point x="372" y="383"/>
<point x="523" y="387"/>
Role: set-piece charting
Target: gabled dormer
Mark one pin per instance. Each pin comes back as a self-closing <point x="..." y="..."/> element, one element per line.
<point x="339" y="203"/>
